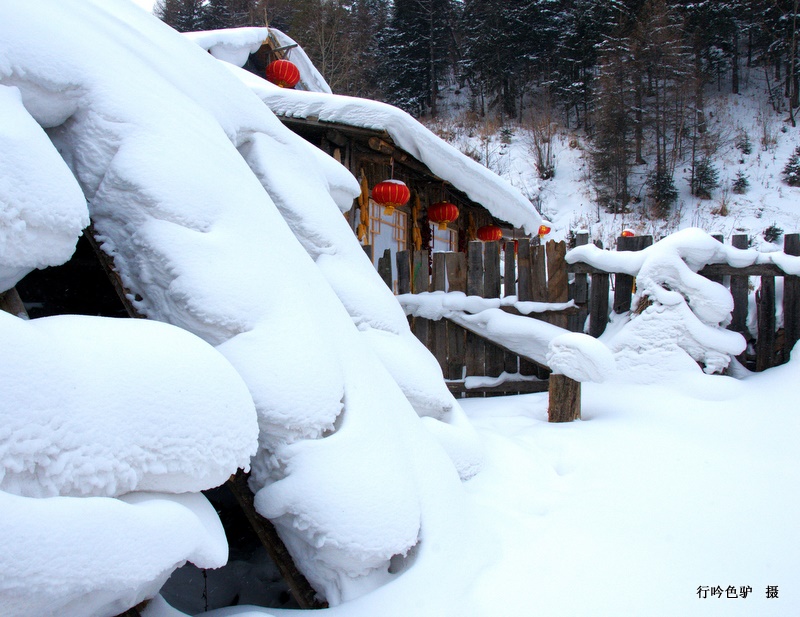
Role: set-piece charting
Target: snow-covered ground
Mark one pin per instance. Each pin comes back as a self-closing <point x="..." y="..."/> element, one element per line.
<point x="659" y="495"/>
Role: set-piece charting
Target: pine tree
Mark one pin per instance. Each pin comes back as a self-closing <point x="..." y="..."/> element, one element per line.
<point x="183" y="15"/>
<point x="706" y="179"/>
<point x="419" y="41"/>
<point x="740" y="184"/>
<point x="791" y="173"/>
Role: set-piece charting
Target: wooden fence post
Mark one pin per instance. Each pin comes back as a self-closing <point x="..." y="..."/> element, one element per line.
<point x="403" y="259"/>
<point x="564" y="404"/>
<point x="580" y="292"/>
<point x="623" y="283"/>
<point x="456" y="264"/>
<point x="476" y="349"/>
<point x="791" y="299"/>
<point x="511" y="360"/>
<point x="598" y="304"/>
<point x="739" y="285"/>
<point x="385" y="268"/>
<point x="495" y="360"/>
<point x="765" y="307"/>
<point x="438" y="328"/>
<point x="420" y="284"/>
<point x="525" y="293"/>
<point x="557" y="282"/>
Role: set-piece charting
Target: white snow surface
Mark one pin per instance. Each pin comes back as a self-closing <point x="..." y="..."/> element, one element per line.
<point x="191" y="181"/>
<point x="104" y="407"/>
<point x="234" y="45"/>
<point x="98" y="556"/>
<point x="481" y="185"/>
<point x="580" y="357"/>
<point x="42" y="209"/>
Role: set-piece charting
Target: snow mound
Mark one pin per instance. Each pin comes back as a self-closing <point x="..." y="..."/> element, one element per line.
<point x="103" y="407"/>
<point x="42" y="209"/>
<point x="209" y="208"/>
<point x="97" y="556"/>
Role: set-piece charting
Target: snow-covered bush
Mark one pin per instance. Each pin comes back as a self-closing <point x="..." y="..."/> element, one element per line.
<point x="680" y="316"/>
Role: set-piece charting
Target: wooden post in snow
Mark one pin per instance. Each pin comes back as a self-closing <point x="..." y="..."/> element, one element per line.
<point x="385" y="268"/>
<point x="791" y="299"/>
<point x="580" y="292"/>
<point x="476" y="347"/>
<point x="456" y="265"/>
<point x="564" y="399"/>
<point x="495" y="357"/>
<point x="598" y="304"/>
<point x="10" y="302"/>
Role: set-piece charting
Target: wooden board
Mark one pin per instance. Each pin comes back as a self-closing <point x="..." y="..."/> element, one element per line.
<point x="476" y="348"/>
<point x="438" y="329"/>
<point x="557" y="283"/>
<point x="510" y="360"/>
<point x="791" y="299"/>
<point x="494" y="358"/>
<point x="456" y="264"/>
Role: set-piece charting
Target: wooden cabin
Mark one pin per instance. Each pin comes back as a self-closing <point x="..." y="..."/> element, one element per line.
<point x="372" y="156"/>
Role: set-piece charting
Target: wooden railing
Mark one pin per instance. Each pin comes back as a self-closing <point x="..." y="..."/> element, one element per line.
<point x="539" y="273"/>
<point x="531" y="272"/>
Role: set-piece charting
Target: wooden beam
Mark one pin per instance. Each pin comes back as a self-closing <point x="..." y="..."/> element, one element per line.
<point x="10" y="302"/>
<point x="299" y="586"/>
<point x="507" y="387"/>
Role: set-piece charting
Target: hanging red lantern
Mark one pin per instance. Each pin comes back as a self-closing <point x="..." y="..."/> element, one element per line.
<point x="490" y="233"/>
<point x="543" y="230"/>
<point x="442" y="213"/>
<point x="283" y="73"/>
<point x="391" y="194"/>
<point x="628" y="233"/>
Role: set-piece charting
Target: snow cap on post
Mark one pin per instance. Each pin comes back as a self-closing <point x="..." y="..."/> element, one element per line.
<point x="580" y="357"/>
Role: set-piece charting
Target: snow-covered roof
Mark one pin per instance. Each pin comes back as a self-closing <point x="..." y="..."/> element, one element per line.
<point x="316" y="102"/>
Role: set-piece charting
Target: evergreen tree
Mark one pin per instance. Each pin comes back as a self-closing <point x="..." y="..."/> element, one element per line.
<point x="791" y="172"/>
<point x="420" y="41"/>
<point x="183" y="15"/>
<point x="741" y="183"/>
<point x="705" y="180"/>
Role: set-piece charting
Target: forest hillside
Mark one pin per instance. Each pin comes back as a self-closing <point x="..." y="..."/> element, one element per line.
<point x="649" y="114"/>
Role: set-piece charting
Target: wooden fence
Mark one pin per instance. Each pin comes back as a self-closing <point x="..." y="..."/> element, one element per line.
<point x="532" y="272"/>
<point x="768" y="347"/>
<point x="539" y="273"/>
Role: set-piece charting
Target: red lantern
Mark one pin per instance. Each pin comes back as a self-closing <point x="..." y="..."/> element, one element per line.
<point x="543" y="230"/>
<point x="628" y="233"/>
<point x="490" y="233"/>
<point x="391" y="194"/>
<point x="442" y="213"/>
<point x="283" y="73"/>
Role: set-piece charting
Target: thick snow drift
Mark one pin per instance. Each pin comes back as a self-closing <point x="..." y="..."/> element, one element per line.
<point x="161" y="139"/>
<point x="106" y="406"/>
<point x="42" y="209"/>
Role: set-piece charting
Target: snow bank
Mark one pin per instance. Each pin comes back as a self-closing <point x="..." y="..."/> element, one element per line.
<point x="106" y="406"/>
<point x="96" y="556"/>
<point x="42" y="209"/>
<point x="681" y="315"/>
<point x="163" y="151"/>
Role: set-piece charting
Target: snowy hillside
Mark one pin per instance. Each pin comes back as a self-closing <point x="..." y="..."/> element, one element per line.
<point x="569" y="199"/>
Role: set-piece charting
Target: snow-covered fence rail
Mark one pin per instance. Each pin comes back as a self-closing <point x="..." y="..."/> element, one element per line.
<point x="522" y="279"/>
<point x="771" y="331"/>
